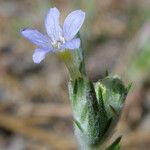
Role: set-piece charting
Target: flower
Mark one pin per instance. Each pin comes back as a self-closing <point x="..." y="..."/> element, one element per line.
<point x="57" y="38"/>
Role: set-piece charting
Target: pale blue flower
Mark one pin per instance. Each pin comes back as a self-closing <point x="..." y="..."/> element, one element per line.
<point x="57" y="38"/>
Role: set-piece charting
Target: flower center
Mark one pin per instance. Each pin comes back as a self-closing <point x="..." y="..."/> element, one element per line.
<point x="57" y="44"/>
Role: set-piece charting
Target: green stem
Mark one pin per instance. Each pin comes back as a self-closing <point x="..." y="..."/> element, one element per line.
<point x="68" y="59"/>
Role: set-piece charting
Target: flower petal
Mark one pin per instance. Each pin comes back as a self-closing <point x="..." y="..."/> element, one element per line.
<point x="73" y="23"/>
<point x="52" y="24"/>
<point x="36" y="37"/>
<point x="39" y="55"/>
<point x="73" y="44"/>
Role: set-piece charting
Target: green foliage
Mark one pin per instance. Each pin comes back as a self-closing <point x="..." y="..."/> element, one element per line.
<point x="90" y="117"/>
<point x="79" y="61"/>
<point x="112" y="92"/>
<point x="96" y="109"/>
<point x="96" y="106"/>
<point x="115" y="145"/>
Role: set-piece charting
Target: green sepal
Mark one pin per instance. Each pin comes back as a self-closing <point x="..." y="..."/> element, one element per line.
<point x="79" y="58"/>
<point x="89" y="115"/>
<point x="112" y="92"/>
<point x="79" y="61"/>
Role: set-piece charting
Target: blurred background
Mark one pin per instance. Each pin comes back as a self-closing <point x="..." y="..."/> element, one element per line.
<point x="35" y="112"/>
